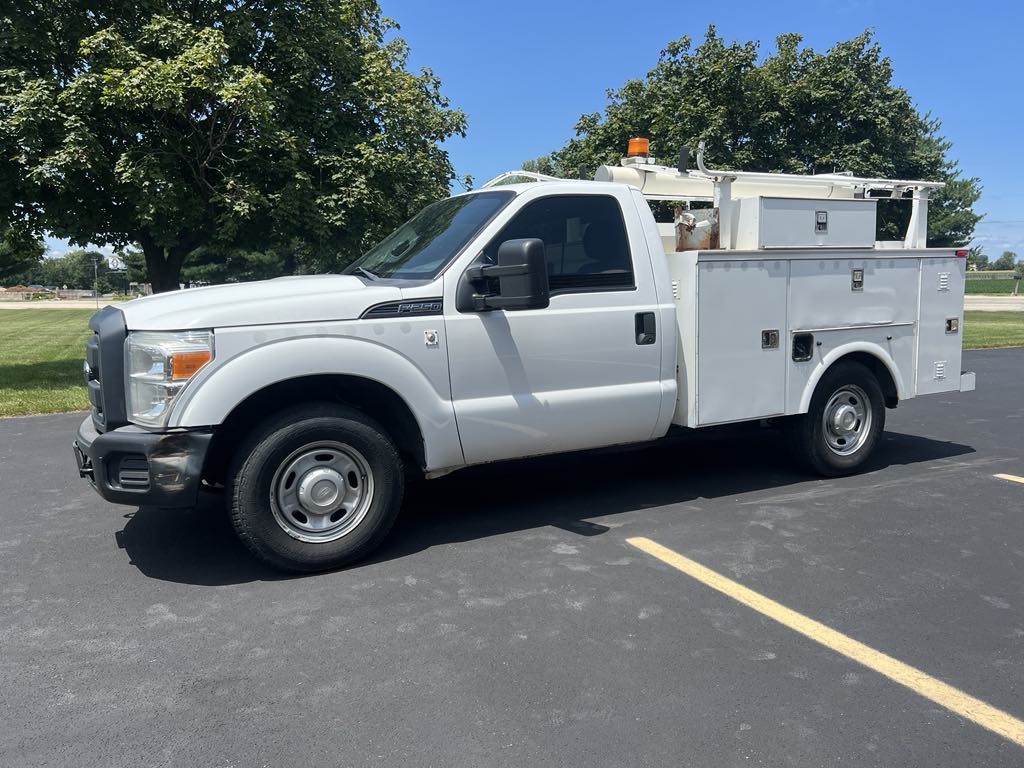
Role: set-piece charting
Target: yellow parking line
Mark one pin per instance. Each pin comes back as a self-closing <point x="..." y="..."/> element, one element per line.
<point x="941" y="693"/>
<point x="1011" y="478"/>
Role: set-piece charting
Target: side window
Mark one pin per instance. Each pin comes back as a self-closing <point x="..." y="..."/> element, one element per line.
<point x="584" y="241"/>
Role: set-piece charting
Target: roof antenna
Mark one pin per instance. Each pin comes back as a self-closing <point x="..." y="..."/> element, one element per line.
<point x="684" y="159"/>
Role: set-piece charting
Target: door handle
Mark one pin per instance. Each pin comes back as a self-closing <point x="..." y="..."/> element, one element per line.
<point x="646" y="329"/>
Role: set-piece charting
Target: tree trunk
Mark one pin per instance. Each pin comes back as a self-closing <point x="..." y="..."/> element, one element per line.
<point x="162" y="265"/>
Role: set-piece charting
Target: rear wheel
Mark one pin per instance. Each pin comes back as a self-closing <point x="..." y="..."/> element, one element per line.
<point x="316" y="488"/>
<point x="844" y="422"/>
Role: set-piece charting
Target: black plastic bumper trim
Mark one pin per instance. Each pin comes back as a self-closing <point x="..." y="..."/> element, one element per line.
<point x="175" y="462"/>
<point x="104" y="354"/>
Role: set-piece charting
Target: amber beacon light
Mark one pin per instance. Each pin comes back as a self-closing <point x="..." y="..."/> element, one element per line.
<point x="638" y="147"/>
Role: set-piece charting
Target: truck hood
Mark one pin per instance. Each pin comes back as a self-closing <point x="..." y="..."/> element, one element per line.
<point x="312" y="298"/>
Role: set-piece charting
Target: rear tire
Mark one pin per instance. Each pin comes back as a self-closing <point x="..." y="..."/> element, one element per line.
<point x="316" y="488"/>
<point x="844" y="422"/>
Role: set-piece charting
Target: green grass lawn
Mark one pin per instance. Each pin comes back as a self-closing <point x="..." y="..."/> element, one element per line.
<point x="997" y="287"/>
<point x="41" y="353"/>
<point x="993" y="329"/>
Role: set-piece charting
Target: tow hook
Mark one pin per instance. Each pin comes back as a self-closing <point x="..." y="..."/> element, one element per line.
<point x="84" y="464"/>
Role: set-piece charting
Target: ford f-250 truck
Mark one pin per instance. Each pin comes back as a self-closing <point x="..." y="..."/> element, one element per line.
<point x="520" y="320"/>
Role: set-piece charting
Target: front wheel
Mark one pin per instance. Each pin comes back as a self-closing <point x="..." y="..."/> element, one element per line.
<point x="316" y="488"/>
<point x="844" y="422"/>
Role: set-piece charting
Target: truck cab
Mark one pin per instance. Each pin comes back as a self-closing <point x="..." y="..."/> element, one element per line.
<point x="518" y="320"/>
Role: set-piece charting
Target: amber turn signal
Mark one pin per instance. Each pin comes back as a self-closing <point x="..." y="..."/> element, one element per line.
<point x="185" y="364"/>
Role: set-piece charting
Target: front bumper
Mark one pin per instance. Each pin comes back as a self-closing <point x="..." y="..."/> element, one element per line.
<point x="132" y="466"/>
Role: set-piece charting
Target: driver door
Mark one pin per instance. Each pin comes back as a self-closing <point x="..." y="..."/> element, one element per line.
<point x="576" y="374"/>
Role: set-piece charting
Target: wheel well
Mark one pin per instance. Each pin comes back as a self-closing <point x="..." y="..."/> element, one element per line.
<point x="881" y="373"/>
<point x="371" y="397"/>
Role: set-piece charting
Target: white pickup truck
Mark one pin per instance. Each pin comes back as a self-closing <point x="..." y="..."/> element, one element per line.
<point x="519" y="320"/>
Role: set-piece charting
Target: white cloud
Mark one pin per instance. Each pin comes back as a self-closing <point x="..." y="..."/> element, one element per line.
<point x="58" y="247"/>
<point x="996" y="236"/>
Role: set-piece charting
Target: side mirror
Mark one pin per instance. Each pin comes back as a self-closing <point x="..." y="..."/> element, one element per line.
<point x="522" y="274"/>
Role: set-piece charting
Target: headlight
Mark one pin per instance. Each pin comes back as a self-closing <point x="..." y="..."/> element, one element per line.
<point x="159" y="365"/>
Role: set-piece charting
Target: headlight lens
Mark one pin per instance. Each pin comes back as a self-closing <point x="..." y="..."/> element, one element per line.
<point x="159" y="365"/>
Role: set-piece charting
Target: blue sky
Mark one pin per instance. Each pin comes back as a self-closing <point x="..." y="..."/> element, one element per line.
<point x="524" y="71"/>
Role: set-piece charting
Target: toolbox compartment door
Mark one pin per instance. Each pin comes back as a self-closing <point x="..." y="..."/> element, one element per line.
<point x="942" y="302"/>
<point x="741" y="339"/>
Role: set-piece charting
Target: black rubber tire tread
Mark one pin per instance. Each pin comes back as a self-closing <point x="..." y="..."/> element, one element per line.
<point x="257" y="458"/>
<point x="808" y="434"/>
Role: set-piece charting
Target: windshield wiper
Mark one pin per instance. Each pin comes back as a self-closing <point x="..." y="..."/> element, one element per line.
<point x="367" y="273"/>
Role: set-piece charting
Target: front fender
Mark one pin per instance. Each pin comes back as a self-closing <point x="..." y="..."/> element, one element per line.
<point x="841" y="351"/>
<point x="218" y="390"/>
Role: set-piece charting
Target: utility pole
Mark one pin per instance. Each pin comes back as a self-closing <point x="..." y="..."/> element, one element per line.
<point x="96" y="280"/>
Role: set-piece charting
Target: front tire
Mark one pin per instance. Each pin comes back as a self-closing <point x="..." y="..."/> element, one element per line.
<point x="844" y="422"/>
<point x="316" y="488"/>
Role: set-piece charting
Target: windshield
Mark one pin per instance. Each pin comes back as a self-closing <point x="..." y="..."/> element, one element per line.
<point x="423" y="246"/>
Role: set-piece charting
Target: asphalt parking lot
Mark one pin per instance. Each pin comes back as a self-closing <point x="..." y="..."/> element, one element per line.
<point x="508" y="622"/>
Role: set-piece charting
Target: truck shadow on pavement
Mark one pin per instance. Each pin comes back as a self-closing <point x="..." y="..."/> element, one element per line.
<point x="197" y="546"/>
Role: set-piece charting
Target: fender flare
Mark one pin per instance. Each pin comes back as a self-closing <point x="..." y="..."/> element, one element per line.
<point x="842" y="351"/>
<point x="215" y="393"/>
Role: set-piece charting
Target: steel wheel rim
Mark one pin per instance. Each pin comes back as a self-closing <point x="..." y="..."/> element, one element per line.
<point x="321" y="491"/>
<point x="846" y="422"/>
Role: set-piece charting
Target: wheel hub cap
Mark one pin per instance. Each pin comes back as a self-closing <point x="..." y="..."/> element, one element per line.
<point x="845" y="418"/>
<point x="321" y="492"/>
<point x="846" y="423"/>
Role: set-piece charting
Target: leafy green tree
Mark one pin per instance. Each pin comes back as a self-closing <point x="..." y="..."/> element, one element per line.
<point x="220" y="124"/>
<point x="74" y="269"/>
<point x="977" y="258"/>
<point x="232" y="265"/>
<point x="794" y="111"/>
<point x="211" y="265"/>
<point x="134" y="262"/>
<point x="544" y="164"/>
<point x="1006" y="260"/>
<point x="19" y="252"/>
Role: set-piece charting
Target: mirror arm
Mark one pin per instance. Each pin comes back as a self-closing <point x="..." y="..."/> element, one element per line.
<point x="492" y="270"/>
<point x="484" y="303"/>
